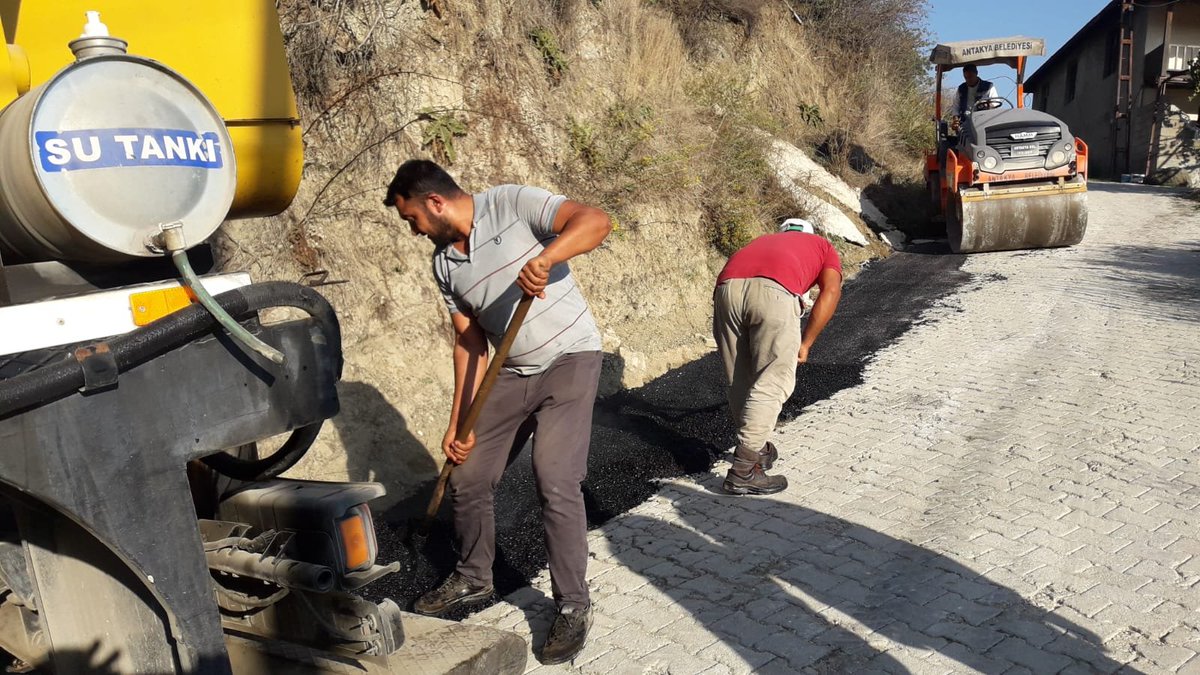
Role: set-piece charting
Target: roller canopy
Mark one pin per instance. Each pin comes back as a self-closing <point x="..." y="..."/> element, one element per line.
<point x="986" y="52"/>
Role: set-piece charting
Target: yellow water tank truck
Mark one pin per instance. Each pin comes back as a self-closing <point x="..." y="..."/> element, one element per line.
<point x="140" y="529"/>
<point x="232" y="50"/>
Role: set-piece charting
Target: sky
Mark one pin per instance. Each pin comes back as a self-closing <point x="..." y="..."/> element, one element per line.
<point x="1053" y="20"/>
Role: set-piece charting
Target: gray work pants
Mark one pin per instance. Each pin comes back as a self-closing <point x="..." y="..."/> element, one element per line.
<point x="756" y="323"/>
<point x="558" y="401"/>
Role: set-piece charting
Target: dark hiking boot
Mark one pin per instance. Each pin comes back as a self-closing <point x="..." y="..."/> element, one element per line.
<point x="456" y="590"/>
<point x="567" y="635"/>
<point x="753" y="482"/>
<point x="767" y="456"/>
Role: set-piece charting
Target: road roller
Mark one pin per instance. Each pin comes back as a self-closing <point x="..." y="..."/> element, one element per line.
<point x="1004" y="176"/>
<point x="144" y="524"/>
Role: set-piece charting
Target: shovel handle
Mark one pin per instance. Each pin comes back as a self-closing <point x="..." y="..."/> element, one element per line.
<point x="485" y="388"/>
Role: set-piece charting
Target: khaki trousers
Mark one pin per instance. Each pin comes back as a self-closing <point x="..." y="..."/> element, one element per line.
<point x="756" y="323"/>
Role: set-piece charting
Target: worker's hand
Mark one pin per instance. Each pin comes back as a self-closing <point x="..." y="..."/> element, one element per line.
<point x="802" y="356"/>
<point x="534" y="276"/>
<point x="457" y="451"/>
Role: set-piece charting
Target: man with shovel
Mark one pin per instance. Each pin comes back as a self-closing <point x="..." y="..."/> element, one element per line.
<point x="756" y="323"/>
<point x="493" y="249"/>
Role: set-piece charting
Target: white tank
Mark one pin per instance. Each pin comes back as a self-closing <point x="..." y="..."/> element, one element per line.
<point x="114" y="146"/>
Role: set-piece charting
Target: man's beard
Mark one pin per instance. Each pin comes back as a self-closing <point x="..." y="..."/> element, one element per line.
<point x="443" y="234"/>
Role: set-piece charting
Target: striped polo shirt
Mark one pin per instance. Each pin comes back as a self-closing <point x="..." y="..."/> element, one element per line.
<point x="513" y="223"/>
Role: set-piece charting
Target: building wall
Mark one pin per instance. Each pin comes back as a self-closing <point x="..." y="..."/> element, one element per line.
<point x="1149" y="33"/>
<point x="1089" y="113"/>
<point x="1177" y="150"/>
<point x="1178" y="161"/>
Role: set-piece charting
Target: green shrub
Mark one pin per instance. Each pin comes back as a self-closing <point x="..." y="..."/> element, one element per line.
<point x="810" y="115"/>
<point x="439" y="134"/>
<point x="617" y="161"/>
<point x="741" y="197"/>
<point x="552" y="54"/>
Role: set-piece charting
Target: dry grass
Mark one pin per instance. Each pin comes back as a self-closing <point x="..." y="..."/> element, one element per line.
<point x="653" y="57"/>
<point x="621" y="102"/>
<point x="676" y="95"/>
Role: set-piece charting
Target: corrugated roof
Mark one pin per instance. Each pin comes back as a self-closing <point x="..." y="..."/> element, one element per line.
<point x="1110" y="12"/>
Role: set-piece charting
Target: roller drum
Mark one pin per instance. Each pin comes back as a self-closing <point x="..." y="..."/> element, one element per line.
<point x="1025" y="217"/>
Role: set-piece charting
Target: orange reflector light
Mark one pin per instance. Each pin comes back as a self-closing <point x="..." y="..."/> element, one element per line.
<point x="150" y="306"/>
<point x="356" y="535"/>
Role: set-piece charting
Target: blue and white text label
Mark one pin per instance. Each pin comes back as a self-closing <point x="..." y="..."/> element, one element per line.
<point x="106" y="148"/>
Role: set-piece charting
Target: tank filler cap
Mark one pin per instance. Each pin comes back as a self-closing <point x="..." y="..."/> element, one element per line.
<point x="96" y="40"/>
<point x="94" y="27"/>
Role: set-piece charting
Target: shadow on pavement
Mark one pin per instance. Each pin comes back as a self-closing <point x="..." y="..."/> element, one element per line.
<point x="772" y="578"/>
<point x="1109" y="187"/>
<point x="675" y="425"/>
<point x="1159" y="281"/>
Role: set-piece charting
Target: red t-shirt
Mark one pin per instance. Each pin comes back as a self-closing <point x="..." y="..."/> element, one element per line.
<point x="794" y="260"/>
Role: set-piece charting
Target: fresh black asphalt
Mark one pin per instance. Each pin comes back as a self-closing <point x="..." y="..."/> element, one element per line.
<point x="672" y="426"/>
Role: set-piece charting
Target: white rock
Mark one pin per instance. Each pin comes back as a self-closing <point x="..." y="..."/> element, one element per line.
<point x="635" y="367"/>
<point x="829" y="219"/>
<point x="893" y="238"/>
<point x="795" y="165"/>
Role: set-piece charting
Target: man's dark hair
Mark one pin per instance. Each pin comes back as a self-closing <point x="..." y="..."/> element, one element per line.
<point x="420" y="177"/>
<point x="971" y="68"/>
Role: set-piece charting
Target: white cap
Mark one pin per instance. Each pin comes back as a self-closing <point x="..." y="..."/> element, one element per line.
<point x="796" y="225"/>
<point x="93" y="27"/>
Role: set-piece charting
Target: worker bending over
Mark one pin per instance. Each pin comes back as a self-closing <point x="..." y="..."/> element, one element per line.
<point x="756" y="323"/>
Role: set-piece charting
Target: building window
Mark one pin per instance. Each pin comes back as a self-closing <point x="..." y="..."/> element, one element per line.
<point x="1179" y="56"/>
<point x="1072" y="71"/>
<point x="1112" y="51"/>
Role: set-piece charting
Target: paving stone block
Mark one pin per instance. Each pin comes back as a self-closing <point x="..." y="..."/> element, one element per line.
<point x="1022" y="653"/>
<point x="689" y="633"/>
<point x="1165" y="656"/>
<point x="764" y="606"/>
<point x="798" y="621"/>
<point x="777" y="666"/>
<point x="1143" y="549"/>
<point x="636" y="640"/>
<point x="706" y="587"/>
<point x="740" y="659"/>
<point x="979" y="640"/>
<point x="1046" y="540"/>
<point x="1152" y="569"/>
<point x="612" y="661"/>
<point x="1036" y="633"/>
<point x="798" y="653"/>
<point x="973" y="612"/>
<point x="809" y="576"/>
<point x="969" y="588"/>
<point x="971" y="658"/>
<point x="1184" y="636"/>
<point x="674" y="660"/>
<point x="1085" y="521"/>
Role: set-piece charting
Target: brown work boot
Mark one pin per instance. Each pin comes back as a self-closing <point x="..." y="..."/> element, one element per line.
<point x="567" y="635"/>
<point x="767" y="456"/>
<point x="745" y="478"/>
<point x="455" y="590"/>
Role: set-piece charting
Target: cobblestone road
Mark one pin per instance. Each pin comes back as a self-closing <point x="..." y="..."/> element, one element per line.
<point x="1014" y="488"/>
